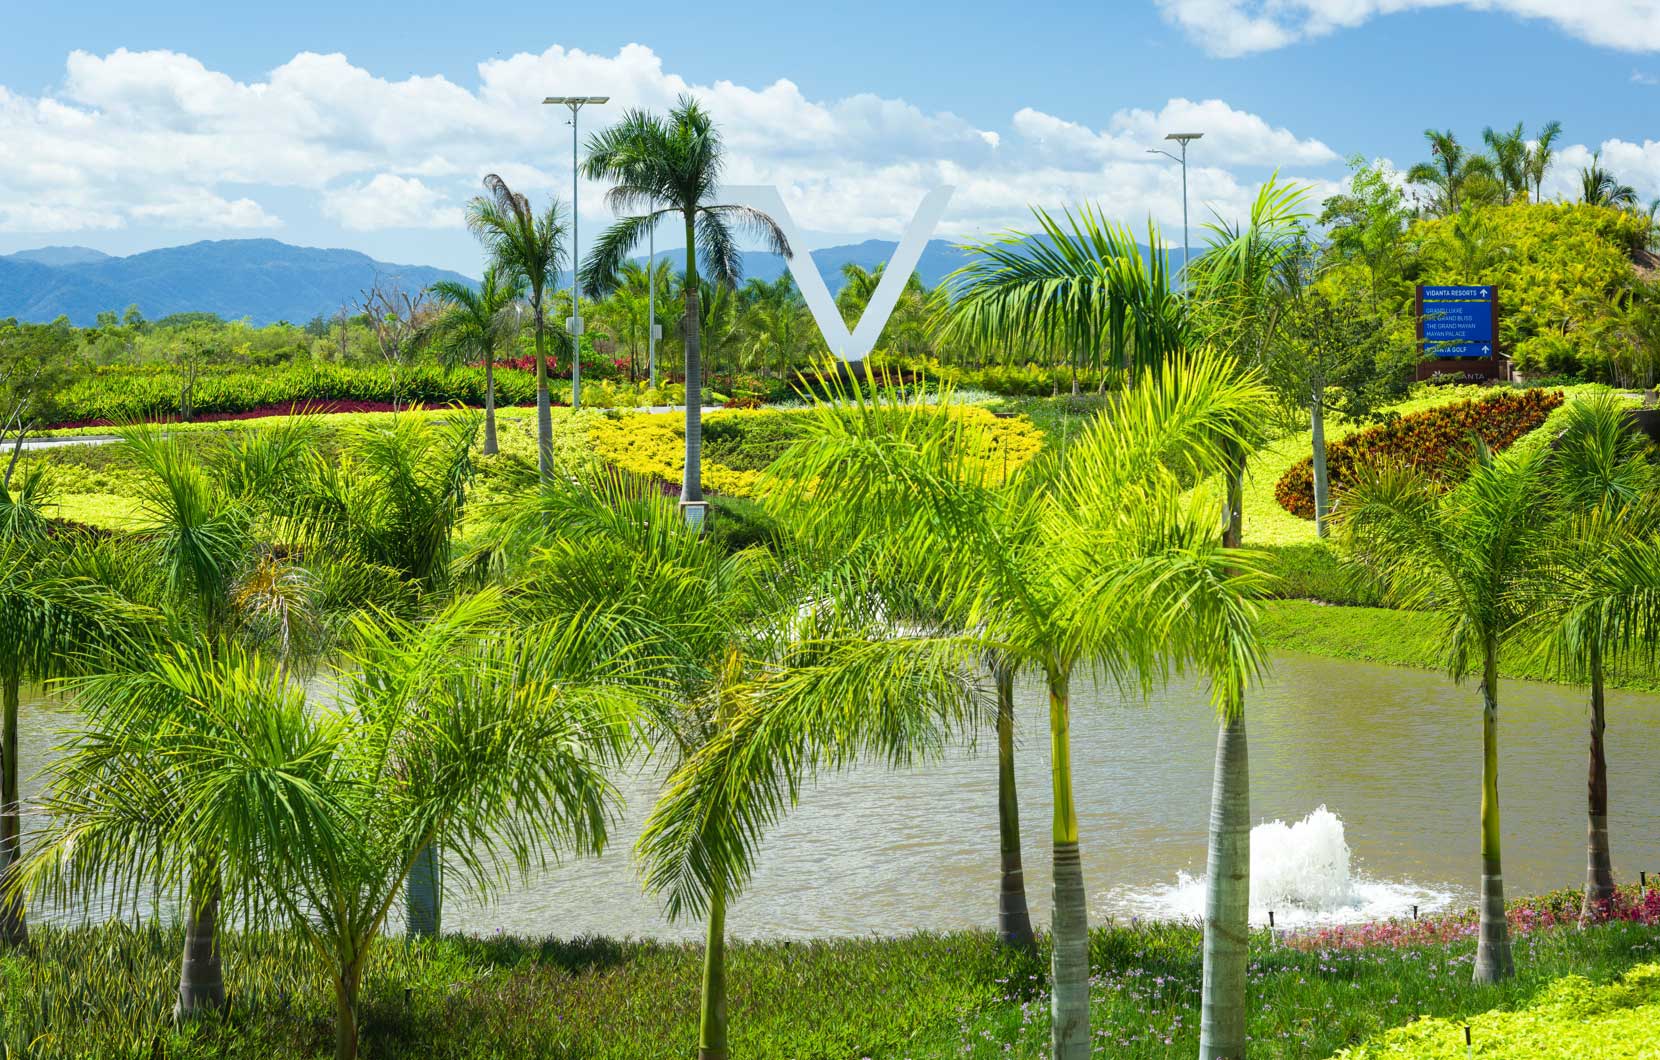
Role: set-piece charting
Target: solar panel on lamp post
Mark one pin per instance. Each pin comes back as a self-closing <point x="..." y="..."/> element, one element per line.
<point x="574" y="325"/>
<point x="1184" y="139"/>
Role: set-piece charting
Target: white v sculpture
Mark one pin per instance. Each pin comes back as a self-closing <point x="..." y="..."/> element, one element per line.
<point x="857" y="346"/>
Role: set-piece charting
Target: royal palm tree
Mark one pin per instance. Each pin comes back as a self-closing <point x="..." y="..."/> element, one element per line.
<point x="1539" y="156"/>
<point x="530" y="249"/>
<point x="1234" y="291"/>
<point x="1454" y="173"/>
<point x="392" y="501"/>
<point x="1094" y="555"/>
<point x="1598" y="187"/>
<point x="462" y="728"/>
<point x="473" y="325"/>
<point x="1597" y="599"/>
<point x="1462" y="555"/>
<point x="672" y="165"/>
<point x="1080" y="287"/>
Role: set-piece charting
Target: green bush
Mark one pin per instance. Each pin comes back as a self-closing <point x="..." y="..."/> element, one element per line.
<point x="1315" y="571"/>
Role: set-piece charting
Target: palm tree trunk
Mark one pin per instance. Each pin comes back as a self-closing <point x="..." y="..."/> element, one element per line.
<point x="14" y="930"/>
<point x="201" y="976"/>
<point x="544" y="414"/>
<point x="1599" y="861"/>
<point x="490" y="403"/>
<point x="1228" y="860"/>
<point x="1493" y="960"/>
<point x="346" y="988"/>
<point x="1014" y="919"/>
<point x="1069" y="969"/>
<point x="422" y="895"/>
<point x="1322" y="485"/>
<point x="691" y="482"/>
<point x="1227" y="898"/>
<point x="711" y="1037"/>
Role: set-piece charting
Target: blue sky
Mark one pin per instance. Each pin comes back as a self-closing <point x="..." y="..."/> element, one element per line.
<point x="368" y="124"/>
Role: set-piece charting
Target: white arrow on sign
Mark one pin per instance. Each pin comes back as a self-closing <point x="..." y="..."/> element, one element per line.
<point x="857" y="346"/>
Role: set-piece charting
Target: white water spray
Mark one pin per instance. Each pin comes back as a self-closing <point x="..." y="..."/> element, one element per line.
<point x="1301" y="872"/>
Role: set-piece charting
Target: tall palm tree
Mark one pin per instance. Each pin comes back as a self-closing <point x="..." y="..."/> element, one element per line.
<point x="392" y="500"/>
<point x="530" y="248"/>
<point x="858" y="288"/>
<point x="1094" y="555"/>
<point x="1509" y="152"/>
<point x="1597" y="598"/>
<point x="1462" y="555"/>
<point x="1598" y="187"/>
<point x="1235" y="288"/>
<point x="779" y="326"/>
<point x="1079" y="287"/>
<point x="1539" y="157"/>
<point x="474" y="323"/>
<point x="672" y="165"/>
<point x="461" y="727"/>
<point x="1453" y="172"/>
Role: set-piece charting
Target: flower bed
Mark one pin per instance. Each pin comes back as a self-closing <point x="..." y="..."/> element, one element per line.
<point x="1526" y="916"/>
<point x="1436" y="441"/>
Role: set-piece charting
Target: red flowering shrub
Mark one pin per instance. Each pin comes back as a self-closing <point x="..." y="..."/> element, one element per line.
<point x="1436" y="441"/>
<point x="743" y="402"/>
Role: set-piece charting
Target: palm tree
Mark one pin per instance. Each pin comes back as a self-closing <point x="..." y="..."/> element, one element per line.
<point x="1597" y="598"/>
<point x="1452" y="174"/>
<point x="1597" y="186"/>
<point x="858" y="288"/>
<point x="529" y="248"/>
<point x="1539" y="157"/>
<point x="462" y="728"/>
<point x="1080" y="288"/>
<point x="673" y="165"/>
<point x="1509" y="152"/>
<point x="778" y="325"/>
<point x="392" y="500"/>
<point x="474" y="323"/>
<point x="1462" y="555"/>
<point x="1093" y="555"/>
<point x="1234" y="293"/>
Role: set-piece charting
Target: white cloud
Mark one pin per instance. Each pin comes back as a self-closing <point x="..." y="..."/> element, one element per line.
<point x="1241" y="27"/>
<point x="161" y="139"/>
<point x="1638" y="77"/>
<point x="389" y="201"/>
<point x="1635" y="164"/>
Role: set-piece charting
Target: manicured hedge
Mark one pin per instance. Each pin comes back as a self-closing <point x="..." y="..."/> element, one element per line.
<point x="1437" y="441"/>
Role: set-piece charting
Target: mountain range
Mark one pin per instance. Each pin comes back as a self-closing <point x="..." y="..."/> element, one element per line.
<point x="265" y="280"/>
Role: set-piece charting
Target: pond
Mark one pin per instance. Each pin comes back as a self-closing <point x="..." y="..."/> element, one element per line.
<point x="1393" y="755"/>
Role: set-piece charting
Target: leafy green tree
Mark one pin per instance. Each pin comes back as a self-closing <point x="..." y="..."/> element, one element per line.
<point x="1368" y="225"/>
<point x="462" y="728"/>
<point x="473" y="325"/>
<point x="1596" y="600"/>
<point x="1080" y="287"/>
<point x="1462" y="555"/>
<point x="1095" y="555"/>
<point x="34" y="365"/>
<point x="672" y="165"/>
<point x="1599" y="187"/>
<point x="530" y="248"/>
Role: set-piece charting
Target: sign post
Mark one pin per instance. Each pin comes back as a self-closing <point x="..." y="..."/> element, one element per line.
<point x="1458" y="332"/>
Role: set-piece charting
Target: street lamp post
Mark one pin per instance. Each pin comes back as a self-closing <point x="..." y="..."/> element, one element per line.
<point x="1184" y="139"/>
<point x="574" y="325"/>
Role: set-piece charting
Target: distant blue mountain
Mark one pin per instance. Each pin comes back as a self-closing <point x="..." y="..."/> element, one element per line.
<point x="261" y="279"/>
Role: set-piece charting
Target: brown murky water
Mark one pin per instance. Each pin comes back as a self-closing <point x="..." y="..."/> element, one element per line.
<point x="1394" y="753"/>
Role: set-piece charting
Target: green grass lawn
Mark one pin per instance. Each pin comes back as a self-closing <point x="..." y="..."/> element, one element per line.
<point x="104" y="992"/>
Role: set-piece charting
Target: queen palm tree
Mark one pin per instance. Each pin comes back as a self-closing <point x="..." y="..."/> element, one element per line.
<point x="1080" y="287"/>
<point x="1094" y="555"/>
<point x="1462" y="555"/>
<point x="1598" y="187"/>
<point x="1539" y="156"/>
<point x="461" y="727"/>
<point x="1235" y="285"/>
<point x="392" y="501"/>
<point x="530" y="248"/>
<point x="1596" y="602"/>
<point x="473" y="325"/>
<point x="672" y="165"/>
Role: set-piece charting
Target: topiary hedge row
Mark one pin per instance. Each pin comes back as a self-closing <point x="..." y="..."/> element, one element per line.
<point x="1437" y="441"/>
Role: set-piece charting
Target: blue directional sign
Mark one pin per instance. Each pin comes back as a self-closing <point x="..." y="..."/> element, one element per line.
<point x="1463" y="349"/>
<point x="1458" y="321"/>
